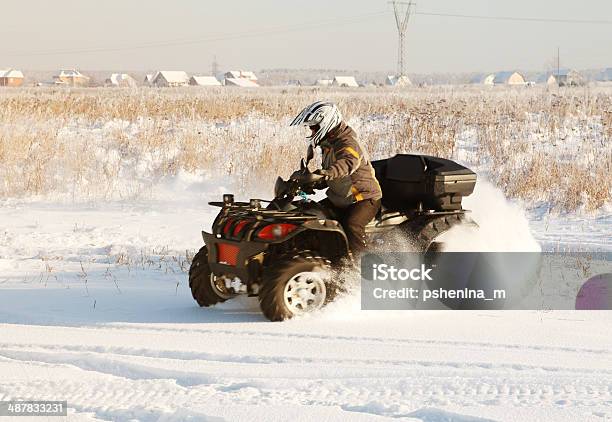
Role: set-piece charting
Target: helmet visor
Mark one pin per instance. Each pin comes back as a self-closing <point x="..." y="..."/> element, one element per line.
<point x="311" y="131"/>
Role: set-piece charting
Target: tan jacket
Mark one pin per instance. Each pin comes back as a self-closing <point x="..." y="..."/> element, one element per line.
<point x="350" y="174"/>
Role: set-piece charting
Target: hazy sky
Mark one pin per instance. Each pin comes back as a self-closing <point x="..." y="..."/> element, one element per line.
<point x="340" y="34"/>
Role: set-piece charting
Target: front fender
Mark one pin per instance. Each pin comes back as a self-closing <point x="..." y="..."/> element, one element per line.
<point x="333" y="241"/>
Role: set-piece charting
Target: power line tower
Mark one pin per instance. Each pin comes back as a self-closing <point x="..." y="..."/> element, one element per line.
<point x="401" y="20"/>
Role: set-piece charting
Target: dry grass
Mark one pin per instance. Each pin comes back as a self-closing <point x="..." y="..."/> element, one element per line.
<point x="537" y="145"/>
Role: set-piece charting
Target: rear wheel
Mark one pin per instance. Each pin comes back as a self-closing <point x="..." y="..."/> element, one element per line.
<point x="206" y="288"/>
<point x="425" y="231"/>
<point x="295" y="285"/>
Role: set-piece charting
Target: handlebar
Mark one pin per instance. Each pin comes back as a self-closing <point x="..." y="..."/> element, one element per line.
<point x="301" y="180"/>
<point x="306" y="178"/>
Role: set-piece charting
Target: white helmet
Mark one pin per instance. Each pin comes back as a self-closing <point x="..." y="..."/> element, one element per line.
<point x="325" y="114"/>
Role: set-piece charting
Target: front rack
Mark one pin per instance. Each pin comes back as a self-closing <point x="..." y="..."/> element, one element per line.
<point x="243" y="209"/>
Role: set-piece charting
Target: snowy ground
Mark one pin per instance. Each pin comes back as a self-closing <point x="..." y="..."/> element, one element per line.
<point x="95" y="310"/>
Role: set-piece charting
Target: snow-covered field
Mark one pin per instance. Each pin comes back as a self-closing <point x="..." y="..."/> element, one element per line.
<point x="95" y="309"/>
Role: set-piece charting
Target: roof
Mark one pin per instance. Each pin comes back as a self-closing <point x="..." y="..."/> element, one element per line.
<point x="483" y="78"/>
<point x="324" y="82"/>
<point x="399" y="81"/>
<point x="172" y="76"/>
<point x="246" y="74"/>
<point x="118" y="78"/>
<point x="561" y="72"/>
<point x="477" y="79"/>
<point x="205" y="81"/>
<point x="605" y="75"/>
<point x="148" y="77"/>
<point x="502" y="77"/>
<point x="345" y="81"/>
<point x="11" y="73"/>
<point x="71" y="73"/>
<point x="241" y="82"/>
<point x="544" y="77"/>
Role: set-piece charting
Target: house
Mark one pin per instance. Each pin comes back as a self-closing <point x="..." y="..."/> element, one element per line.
<point x="120" y="80"/>
<point x="241" y="74"/>
<point x="483" y="79"/>
<point x="562" y="77"/>
<point x="323" y="82"/>
<point x="477" y="79"/>
<point x="241" y="78"/>
<point x="489" y="79"/>
<point x="398" y="81"/>
<point x="605" y="75"/>
<point x="11" y="77"/>
<point x="345" y="82"/>
<point x="148" y="80"/>
<point x="508" y="78"/>
<point x="170" y="78"/>
<point x="71" y="77"/>
<point x="204" y="81"/>
<point x="546" y="78"/>
<point x="568" y="77"/>
<point x="240" y="82"/>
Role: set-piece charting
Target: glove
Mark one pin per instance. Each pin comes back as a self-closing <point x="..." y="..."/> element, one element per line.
<point x="322" y="172"/>
<point x="322" y="182"/>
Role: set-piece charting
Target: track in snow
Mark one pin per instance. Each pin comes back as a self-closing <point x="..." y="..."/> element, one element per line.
<point x="538" y="366"/>
<point x="122" y="342"/>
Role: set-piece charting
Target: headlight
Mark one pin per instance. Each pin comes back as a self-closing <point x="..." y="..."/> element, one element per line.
<point x="276" y="231"/>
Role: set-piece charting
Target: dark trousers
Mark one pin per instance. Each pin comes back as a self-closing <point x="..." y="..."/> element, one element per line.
<point x="354" y="218"/>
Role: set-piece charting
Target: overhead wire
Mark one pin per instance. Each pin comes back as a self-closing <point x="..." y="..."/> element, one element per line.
<point x="291" y="28"/>
<point x="188" y="41"/>
<point x="519" y="18"/>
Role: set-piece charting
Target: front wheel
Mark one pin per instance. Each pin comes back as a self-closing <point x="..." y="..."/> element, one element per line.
<point x="295" y="285"/>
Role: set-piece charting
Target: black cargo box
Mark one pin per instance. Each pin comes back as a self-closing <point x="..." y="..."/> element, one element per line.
<point x="409" y="180"/>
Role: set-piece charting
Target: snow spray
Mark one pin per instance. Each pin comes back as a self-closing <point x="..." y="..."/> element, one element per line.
<point x="502" y="225"/>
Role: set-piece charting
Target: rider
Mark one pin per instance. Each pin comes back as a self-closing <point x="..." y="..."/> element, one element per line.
<point x="354" y="192"/>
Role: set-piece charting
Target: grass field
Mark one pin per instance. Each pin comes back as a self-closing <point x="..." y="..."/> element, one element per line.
<point x="545" y="147"/>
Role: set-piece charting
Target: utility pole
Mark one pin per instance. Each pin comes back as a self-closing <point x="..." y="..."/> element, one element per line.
<point x="401" y="20"/>
<point x="215" y="66"/>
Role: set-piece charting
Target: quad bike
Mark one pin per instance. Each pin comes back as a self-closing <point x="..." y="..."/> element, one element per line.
<point x="284" y="252"/>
